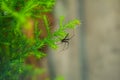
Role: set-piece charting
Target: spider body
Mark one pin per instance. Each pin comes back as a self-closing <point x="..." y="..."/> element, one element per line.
<point x="65" y="39"/>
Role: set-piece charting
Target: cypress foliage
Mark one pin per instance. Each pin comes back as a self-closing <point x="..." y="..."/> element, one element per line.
<point x="14" y="44"/>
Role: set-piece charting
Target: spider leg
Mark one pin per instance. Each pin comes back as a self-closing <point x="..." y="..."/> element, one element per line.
<point x="65" y="47"/>
<point x="62" y="49"/>
<point x="72" y="35"/>
<point x="66" y="35"/>
<point x="66" y="44"/>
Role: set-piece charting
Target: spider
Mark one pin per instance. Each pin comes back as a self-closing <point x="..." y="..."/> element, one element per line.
<point x="65" y="40"/>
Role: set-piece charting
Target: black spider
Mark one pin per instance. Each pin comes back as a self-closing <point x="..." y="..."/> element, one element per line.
<point x="65" y="40"/>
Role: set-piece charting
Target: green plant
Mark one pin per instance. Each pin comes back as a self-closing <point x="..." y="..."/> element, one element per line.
<point x="15" y="46"/>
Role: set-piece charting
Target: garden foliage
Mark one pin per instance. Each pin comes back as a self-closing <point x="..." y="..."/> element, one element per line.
<point x="15" y="46"/>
